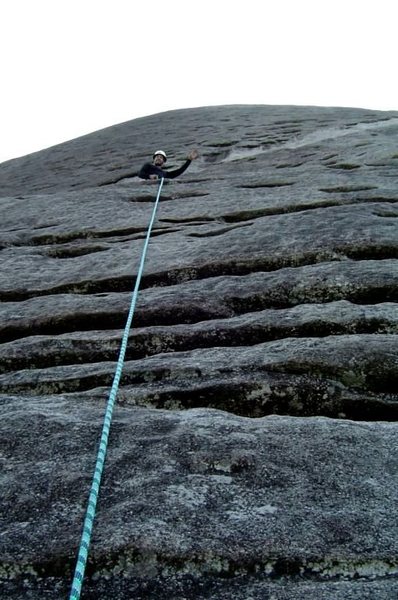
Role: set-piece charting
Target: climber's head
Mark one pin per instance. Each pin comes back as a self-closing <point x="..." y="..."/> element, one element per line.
<point x="159" y="158"/>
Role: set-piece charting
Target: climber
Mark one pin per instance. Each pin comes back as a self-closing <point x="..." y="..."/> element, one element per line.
<point x="155" y="169"/>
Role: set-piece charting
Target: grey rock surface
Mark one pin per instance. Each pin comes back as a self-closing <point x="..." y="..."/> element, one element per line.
<point x="253" y="450"/>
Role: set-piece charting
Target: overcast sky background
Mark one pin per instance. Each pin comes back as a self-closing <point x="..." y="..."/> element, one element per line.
<point x="70" y="67"/>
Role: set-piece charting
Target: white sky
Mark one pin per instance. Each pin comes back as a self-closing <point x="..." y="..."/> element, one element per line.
<point x="70" y="67"/>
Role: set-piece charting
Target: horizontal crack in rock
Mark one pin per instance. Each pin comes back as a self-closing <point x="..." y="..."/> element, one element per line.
<point x="237" y="266"/>
<point x="142" y="565"/>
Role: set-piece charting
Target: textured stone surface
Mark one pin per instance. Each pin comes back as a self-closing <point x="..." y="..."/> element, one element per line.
<point x="197" y="495"/>
<point x="253" y="452"/>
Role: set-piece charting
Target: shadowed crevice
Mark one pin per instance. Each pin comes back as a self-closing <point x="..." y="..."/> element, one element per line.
<point x="247" y="215"/>
<point x="40" y="351"/>
<point x="233" y="267"/>
<point x="271" y="184"/>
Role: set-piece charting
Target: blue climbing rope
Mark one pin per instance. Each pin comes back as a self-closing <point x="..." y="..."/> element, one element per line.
<point x="95" y="485"/>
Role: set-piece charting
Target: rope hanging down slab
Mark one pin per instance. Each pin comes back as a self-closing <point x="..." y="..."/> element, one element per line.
<point x="95" y="485"/>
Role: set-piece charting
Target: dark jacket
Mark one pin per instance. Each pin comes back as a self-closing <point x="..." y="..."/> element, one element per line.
<point x="150" y="169"/>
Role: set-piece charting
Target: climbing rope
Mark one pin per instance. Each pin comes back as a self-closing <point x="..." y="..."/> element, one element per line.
<point x="95" y="485"/>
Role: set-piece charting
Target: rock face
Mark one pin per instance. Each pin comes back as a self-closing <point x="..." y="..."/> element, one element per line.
<point x="253" y="448"/>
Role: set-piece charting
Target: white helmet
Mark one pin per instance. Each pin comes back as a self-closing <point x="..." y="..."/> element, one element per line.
<point x="161" y="154"/>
